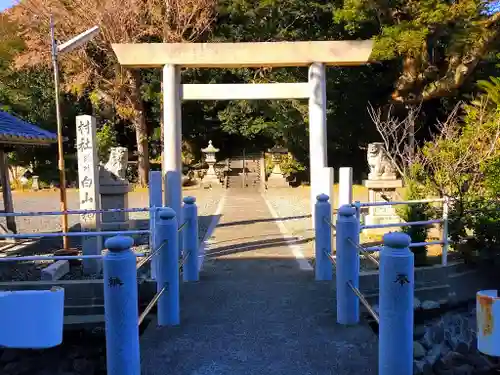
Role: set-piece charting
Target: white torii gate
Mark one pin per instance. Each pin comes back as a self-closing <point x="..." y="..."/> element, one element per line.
<point x="173" y="56"/>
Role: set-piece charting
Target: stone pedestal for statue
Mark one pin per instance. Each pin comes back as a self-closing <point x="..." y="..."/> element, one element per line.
<point x="382" y="181"/>
<point x="211" y="175"/>
<point x="35" y="184"/>
<point x="114" y="189"/>
<point x="382" y="214"/>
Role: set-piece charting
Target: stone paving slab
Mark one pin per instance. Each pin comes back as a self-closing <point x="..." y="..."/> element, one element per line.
<point x="255" y="311"/>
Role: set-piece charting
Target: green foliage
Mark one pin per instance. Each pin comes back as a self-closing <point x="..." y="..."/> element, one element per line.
<point x="286" y="121"/>
<point x="415" y="212"/>
<point x="492" y="89"/>
<point x="462" y="161"/>
<point x="402" y="27"/>
<point x="475" y="229"/>
<point x="456" y="159"/>
<point x="288" y="165"/>
<point x="491" y="173"/>
<point x="438" y="43"/>
<point x="106" y="138"/>
<point x="484" y="220"/>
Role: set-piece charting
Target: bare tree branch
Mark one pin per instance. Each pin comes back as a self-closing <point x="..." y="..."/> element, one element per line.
<point x="396" y="134"/>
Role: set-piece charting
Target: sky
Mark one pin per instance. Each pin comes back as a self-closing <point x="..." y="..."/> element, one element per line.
<point x="4" y="4"/>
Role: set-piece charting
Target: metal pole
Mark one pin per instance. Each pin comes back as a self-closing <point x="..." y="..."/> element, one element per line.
<point x="60" y="151"/>
<point x="444" y="254"/>
<point x="365" y="303"/>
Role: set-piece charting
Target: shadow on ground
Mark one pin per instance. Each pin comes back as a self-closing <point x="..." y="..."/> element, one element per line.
<point x="246" y="222"/>
<point x="255" y="245"/>
<point x="258" y="315"/>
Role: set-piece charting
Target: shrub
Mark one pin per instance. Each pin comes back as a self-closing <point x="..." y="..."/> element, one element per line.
<point x="415" y="212"/>
<point x="106" y="138"/>
<point x="288" y="164"/>
<point x="475" y="229"/>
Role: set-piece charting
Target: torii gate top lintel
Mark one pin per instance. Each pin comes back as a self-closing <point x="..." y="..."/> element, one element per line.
<point x="246" y="54"/>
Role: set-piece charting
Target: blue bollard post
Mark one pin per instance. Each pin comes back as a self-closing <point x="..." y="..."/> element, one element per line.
<point x="155" y="200"/>
<point x="323" y="238"/>
<point x="396" y="283"/>
<point x="190" y="240"/>
<point x="347" y="265"/>
<point x="357" y="206"/>
<point x="173" y="194"/>
<point x="168" y="268"/>
<point x="121" y="307"/>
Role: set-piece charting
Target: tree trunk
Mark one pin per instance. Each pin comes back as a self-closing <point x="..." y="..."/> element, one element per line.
<point x="141" y="130"/>
<point x="141" y="136"/>
<point x="417" y="84"/>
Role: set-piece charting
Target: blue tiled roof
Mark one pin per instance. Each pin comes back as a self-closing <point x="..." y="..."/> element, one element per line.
<point x="16" y="131"/>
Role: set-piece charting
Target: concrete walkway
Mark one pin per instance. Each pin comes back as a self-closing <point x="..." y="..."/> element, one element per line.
<point x="256" y="310"/>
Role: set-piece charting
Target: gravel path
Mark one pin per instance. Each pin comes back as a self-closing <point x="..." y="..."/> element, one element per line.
<point x="292" y="205"/>
<point x="207" y="201"/>
<point x="49" y="201"/>
<point x="293" y="208"/>
<point x="258" y="310"/>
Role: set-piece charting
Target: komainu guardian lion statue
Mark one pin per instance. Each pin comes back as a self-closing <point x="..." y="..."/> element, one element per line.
<point x="116" y="166"/>
<point x="381" y="167"/>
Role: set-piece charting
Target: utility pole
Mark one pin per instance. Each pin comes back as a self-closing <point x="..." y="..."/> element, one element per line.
<point x="56" y="50"/>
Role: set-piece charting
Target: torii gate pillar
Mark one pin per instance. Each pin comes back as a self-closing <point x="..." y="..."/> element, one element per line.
<point x="321" y="183"/>
<point x="172" y="139"/>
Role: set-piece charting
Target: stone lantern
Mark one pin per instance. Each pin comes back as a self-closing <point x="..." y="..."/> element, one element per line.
<point x="210" y="152"/>
<point x="276" y="179"/>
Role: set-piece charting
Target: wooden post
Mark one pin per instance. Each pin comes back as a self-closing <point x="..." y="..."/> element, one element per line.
<point x="262" y="162"/>
<point x="244" y="169"/>
<point x="6" y="192"/>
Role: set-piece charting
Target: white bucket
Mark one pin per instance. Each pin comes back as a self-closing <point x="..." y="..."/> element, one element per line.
<point x="488" y="322"/>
